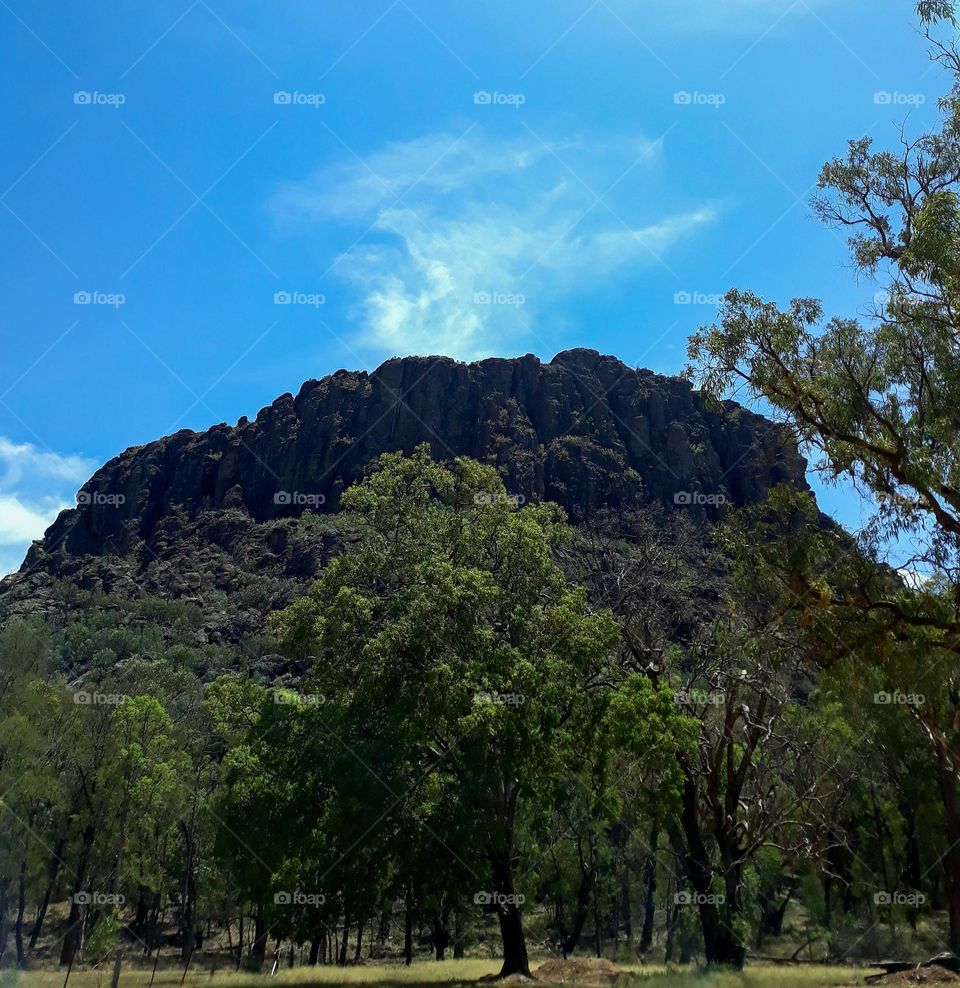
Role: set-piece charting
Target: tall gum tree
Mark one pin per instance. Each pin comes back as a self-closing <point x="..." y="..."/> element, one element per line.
<point x="877" y="402"/>
<point x="451" y="628"/>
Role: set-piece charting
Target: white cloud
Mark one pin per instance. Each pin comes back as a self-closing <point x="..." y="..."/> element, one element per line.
<point x="452" y="220"/>
<point x="20" y="523"/>
<point x="23" y="460"/>
<point x="35" y="485"/>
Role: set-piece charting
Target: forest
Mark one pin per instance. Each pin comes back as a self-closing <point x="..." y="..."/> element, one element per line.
<point x="498" y="732"/>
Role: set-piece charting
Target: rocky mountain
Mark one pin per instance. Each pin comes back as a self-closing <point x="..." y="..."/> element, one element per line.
<point x="243" y="515"/>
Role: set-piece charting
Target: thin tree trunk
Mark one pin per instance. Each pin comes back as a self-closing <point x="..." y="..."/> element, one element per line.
<point x="188" y="891"/>
<point x="342" y="960"/>
<point x="55" y="861"/>
<point x="650" y="892"/>
<point x="4" y="925"/>
<point x="408" y="928"/>
<point x="74" y="926"/>
<point x="21" y="908"/>
<point x="584" y="892"/>
<point x="951" y="858"/>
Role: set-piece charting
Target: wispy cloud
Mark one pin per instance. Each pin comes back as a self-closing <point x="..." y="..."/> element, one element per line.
<point x="24" y="462"/>
<point x="469" y="238"/>
<point x="35" y="485"/>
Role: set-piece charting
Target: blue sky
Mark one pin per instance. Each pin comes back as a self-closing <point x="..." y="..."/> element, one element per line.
<point x="207" y="203"/>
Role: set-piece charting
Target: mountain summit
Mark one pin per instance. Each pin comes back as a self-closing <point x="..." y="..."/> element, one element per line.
<point x="584" y="430"/>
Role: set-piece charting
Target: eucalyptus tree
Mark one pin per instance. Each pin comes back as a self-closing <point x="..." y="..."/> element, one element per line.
<point x="877" y="401"/>
<point x="451" y="630"/>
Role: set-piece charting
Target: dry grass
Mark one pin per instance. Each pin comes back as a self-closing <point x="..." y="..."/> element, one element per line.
<point x="755" y="976"/>
<point x="445" y="974"/>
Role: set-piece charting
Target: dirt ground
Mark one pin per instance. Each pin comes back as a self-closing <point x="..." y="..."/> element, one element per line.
<point x="578" y="971"/>
<point x="920" y="976"/>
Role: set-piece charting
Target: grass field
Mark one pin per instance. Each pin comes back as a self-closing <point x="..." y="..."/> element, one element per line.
<point x="444" y="974"/>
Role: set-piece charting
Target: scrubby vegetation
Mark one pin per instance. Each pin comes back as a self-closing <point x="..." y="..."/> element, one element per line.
<point x="509" y="731"/>
<point x="498" y="735"/>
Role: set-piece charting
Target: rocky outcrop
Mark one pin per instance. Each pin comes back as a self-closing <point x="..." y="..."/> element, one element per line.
<point x="584" y="430"/>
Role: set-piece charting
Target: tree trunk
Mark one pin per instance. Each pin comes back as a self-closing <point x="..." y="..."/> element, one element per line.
<point x="914" y="873"/>
<point x="650" y="890"/>
<point x="582" y="906"/>
<point x="142" y="913"/>
<point x="626" y="918"/>
<point x="598" y="946"/>
<point x="314" y="952"/>
<point x="240" y="941"/>
<point x="21" y="909"/>
<point x="441" y="932"/>
<point x="383" y="932"/>
<point x="188" y="893"/>
<point x="4" y="925"/>
<point x="258" y="951"/>
<point x="511" y="922"/>
<point x="74" y="926"/>
<point x="772" y="913"/>
<point x="951" y="858"/>
<point x="342" y="960"/>
<point x="408" y="928"/>
<point x="673" y="919"/>
<point x="153" y="923"/>
<point x="53" y="871"/>
<point x="721" y="943"/>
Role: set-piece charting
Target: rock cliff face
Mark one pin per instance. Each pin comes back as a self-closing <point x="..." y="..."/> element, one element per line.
<point x="584" y="430"/>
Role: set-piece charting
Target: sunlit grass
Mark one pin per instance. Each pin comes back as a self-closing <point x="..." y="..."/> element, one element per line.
<point x="443" y="973"/>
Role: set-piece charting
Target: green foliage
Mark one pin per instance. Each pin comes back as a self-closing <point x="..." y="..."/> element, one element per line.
<point x="451" y="631"/>
<point x="646" y="721"/>
<point x="878" y="402"/>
